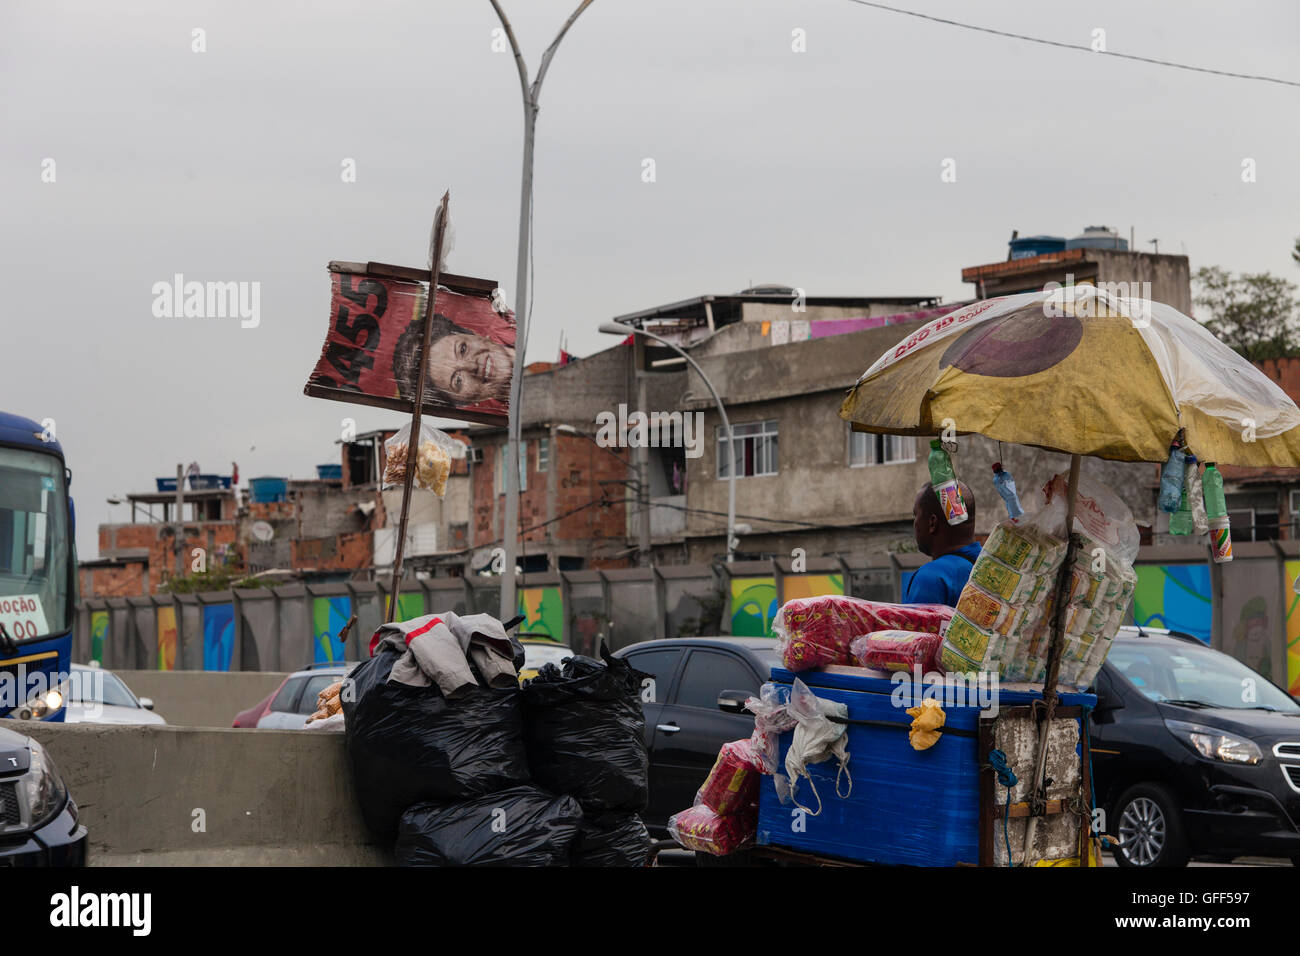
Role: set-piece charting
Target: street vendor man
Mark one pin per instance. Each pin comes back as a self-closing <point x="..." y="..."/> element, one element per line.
<point x="952" y="550"/>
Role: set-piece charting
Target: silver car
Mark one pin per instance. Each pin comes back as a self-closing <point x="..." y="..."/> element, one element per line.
<point x="97" y="696"/>
<point x="296" y="699"/>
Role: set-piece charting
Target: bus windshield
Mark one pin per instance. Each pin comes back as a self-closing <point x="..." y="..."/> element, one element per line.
<point x="35" y="550"/>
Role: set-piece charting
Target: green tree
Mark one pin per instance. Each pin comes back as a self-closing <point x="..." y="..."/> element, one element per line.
<point x="1253" y="313"/>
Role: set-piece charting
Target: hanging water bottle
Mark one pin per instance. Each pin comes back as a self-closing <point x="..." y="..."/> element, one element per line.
<point x="944" y="482"/>
<point x="1171" y="478"/>
<point x="1182" y="521"/>
<point x="1217" y="509"/>
<point x="1006" y="486"/>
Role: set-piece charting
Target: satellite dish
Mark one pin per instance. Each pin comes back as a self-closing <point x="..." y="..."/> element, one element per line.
<point x="481" y="559"/>
<point x="263" y="531"/>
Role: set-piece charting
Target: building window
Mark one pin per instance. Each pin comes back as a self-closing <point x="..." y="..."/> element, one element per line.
<point x="501" y="467"/>
<point x="868" y="449"/>
<point x="543" y="454"/>
<point x="756" y="449"/>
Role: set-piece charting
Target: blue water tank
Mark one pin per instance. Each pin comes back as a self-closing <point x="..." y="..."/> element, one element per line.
<point x="265" y="490"/>
<point x="329" y="472"/>
<point x="1024" y="247"/>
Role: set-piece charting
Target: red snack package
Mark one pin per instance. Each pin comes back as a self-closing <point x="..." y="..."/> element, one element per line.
<point x="699" y="828"/>
<point x="898" y="651"/>
<point x="817" y="631"/>
<point x="732" y="784"/>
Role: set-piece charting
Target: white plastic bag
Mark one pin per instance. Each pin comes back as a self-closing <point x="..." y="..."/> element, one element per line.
<point x="816" y="738"/>
<point x="433" y="457"/>
<point x="771" y="719"/>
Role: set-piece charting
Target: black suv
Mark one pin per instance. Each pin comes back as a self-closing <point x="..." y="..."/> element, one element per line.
<point x="1194" y="754"/>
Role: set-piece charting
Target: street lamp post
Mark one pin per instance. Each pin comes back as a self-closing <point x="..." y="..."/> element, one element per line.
<point x="530" y="92"/>
<point x="615" y="328"/>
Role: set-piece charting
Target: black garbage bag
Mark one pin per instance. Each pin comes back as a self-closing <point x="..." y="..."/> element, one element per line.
<point x="584" y="731"/>
<point x="611" y="839"/>
<point x="408" y="744"/>
<point x="522" y="826"/>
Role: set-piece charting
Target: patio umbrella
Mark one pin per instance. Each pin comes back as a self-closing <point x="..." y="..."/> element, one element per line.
<point x="1080" y="371"/>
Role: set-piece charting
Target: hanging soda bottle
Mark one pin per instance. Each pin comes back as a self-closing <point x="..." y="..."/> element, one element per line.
<point x="1171" y="478"/>
<point x="1216" y="508"/>
<point x="1006" y="486"/>
<point x="1181" y="521"/>
<point x="944" y="482"/>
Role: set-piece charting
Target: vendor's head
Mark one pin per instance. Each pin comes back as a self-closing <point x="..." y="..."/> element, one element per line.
<point x="934" y="535"/>
<point x="464" y="368"/>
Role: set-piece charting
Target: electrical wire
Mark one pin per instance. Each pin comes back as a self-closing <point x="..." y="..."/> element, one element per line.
<point x="1077" y="46"/>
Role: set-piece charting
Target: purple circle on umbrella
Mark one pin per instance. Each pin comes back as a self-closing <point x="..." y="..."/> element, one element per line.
<point x="1018" y="344"/>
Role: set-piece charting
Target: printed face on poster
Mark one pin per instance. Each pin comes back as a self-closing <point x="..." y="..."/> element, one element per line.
<point x="371" y="354"/>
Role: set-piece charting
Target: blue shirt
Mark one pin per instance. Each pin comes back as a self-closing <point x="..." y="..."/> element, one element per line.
<point x="941" y="581"/>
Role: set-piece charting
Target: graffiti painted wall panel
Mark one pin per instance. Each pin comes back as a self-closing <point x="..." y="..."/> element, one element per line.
<point x="218" y="636"/>
<point x="753" y="606"/>
<point x="329" y="614"/>
<point x="167" y="634"/>
<point x="1251" y="621"/>
<point x="1174" y="596"/>
<point x="543" y="612"/>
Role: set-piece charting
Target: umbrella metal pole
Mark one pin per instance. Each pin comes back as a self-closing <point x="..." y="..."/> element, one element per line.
<point x="1054" y="647"/>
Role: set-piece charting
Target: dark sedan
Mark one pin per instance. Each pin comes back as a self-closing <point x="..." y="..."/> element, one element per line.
<point x="38" y="817"/>
<point x="694" y="706"/>
<point x="1194" y="754"/>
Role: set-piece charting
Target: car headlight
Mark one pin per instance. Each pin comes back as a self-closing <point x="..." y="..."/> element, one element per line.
<point x="1215" y="744"/>
<point x="43" y="787"/>
<point x="40" y="707"/>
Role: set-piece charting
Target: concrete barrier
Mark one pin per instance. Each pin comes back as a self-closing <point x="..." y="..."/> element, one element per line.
<point x="201" y="698"/>
<point x="187" y="796"/>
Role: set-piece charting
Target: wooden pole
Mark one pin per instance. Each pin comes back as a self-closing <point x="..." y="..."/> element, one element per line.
<point x="1054" y="647"/>
<point x="435" y="268"/>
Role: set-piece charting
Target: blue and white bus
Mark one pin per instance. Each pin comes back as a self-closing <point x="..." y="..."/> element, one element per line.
<point x="38" y="571"/>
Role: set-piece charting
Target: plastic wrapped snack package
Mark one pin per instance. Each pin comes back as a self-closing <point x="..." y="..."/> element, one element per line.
<point x="1024" y="547"/>
<point x="967" y="647"/>
<point x="898" y="650"/>
<point x="1004" y="582"/>
<point x="814" y="632"/>
<point x="991" y="614"/>
<point x="732" y="784"/>
<point x="707" y="831"/>
<point x="433" y="457"/>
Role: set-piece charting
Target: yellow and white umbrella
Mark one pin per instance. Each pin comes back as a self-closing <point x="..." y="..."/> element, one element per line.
<point x="1080" y="371"/>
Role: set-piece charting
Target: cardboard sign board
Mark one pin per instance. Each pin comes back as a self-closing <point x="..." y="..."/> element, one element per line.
<point x="371" y="352"/>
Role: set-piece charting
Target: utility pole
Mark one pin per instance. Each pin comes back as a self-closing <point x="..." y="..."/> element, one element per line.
<point x="644" y="551"/>
<point x="530" y="92"/>
<point x="178" y="540"/>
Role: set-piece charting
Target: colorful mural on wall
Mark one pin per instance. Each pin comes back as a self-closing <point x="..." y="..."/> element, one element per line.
<point x="1292" y="676"/>
<point x="329" y="614"/>
<point x="1174" y="596"/>
<point x="98" y="634"/>
<point x="408" y="606"/>
<point x="754" y="600"/>
<point x="166" y="638"/>
<point x="543" y="611"/>
<point x="218" y="636"/>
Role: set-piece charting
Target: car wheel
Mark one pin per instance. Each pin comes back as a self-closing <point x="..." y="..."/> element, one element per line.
<point x="1149" y="828"/>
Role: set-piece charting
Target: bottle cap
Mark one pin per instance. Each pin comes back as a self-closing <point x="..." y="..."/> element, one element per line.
<point x="935" y="443"/>
<point x="997" y="466"/>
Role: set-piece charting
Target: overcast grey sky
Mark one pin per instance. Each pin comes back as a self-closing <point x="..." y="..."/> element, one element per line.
<point x="818" y="169"/>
